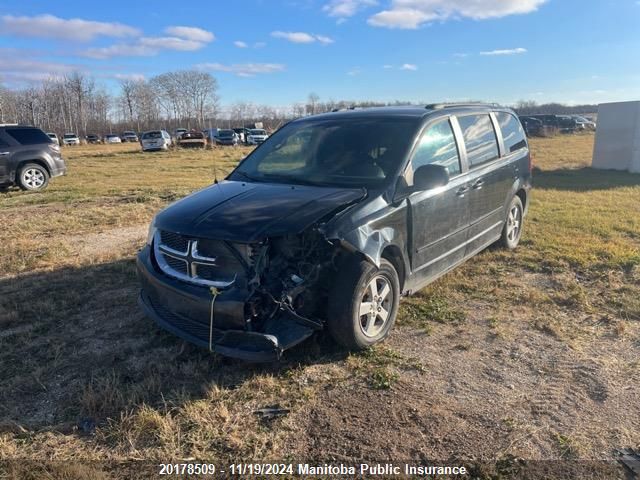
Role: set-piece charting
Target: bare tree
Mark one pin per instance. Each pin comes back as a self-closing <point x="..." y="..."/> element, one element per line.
<point x="312" y="103"/>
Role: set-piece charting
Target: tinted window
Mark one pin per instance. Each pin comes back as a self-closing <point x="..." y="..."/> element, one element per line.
<point x="512" y="132"/>
<point x="438" y="146"/>
<point x="28" y="136"/>
<point x="479" y="138"/>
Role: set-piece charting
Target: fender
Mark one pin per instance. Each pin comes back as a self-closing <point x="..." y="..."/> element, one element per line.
<point x="371" y="243"/>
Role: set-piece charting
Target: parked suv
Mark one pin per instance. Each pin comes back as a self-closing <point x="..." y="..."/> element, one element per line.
<point x="330" y="221"/>
<point x="70" y="139"/>
<point x="28" y="157"/>
<point x="129" y="136"/>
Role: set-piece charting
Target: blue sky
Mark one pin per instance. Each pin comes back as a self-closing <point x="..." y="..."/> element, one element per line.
<point x="416" y="50"/>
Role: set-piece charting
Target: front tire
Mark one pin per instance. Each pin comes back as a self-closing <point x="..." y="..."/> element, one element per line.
<point x="512" y="230"/>
<point x="33" y="177"/>
<point x="363" y="303"/>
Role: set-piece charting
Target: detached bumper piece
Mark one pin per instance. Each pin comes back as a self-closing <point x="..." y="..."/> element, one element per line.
<point x="281" y="333"/>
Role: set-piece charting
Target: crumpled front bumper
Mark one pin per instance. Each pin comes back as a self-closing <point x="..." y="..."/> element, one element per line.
<point x="184" y="310"/>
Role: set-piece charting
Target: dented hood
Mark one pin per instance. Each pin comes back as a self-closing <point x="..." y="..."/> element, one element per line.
<point x="249" y="212"/>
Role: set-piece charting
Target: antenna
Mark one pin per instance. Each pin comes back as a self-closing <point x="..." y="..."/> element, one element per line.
<point x="215" y="170"/>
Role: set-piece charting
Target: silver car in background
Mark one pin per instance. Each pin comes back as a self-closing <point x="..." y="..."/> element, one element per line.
<point x="256" y="136"/>
<point x="155" y="140"/>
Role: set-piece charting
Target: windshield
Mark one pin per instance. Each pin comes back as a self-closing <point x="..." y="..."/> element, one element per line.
<point x="258" y="132"/>
<point x="225" y="133"/>
<point x="151" y="135"/>
<point x="346" y="152"/>
<point x="69" y="135"/>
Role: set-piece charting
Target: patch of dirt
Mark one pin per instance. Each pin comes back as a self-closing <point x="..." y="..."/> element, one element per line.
<point x="114" y="241"/>
<point x="492" y="399"/>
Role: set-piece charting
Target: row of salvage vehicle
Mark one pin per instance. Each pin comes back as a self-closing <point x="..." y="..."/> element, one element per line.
<point x="162" y="140"/>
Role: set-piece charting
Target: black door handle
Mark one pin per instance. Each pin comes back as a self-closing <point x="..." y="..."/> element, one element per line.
<point x="462" y="191"/>
<point x="478" y="184"/>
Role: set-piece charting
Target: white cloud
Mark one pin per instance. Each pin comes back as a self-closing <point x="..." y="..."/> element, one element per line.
<point x="324" y="40"/>
<point x="136" y="77"/>
<point x="410" y="14"/>
<point x="240" y="44"/>
<point x="511" y="51"/>
<point x="302" y="37"/>
<point x="243" y="69"/>
<point x="346" y="8"/>
<point x="409" y="66"/>
<point x="75" y="29"/>
<point x="17" y="67"/>
<point x="171" y="43"/>
<point x="145" y="47"/>
<point x="120" y="50"/>
<point x="295" y="37"/>
<point x="191" y="33"/>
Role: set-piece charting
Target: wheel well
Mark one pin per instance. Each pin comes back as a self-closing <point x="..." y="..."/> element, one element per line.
<point x="38" y="161"/>
<point x="394" y="255"/>
<point x="523" y="197"/>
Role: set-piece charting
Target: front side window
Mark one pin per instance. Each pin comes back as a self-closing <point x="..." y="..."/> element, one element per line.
<point x="513" y="134"/>
<point x="349" y="152"/>
<point x="437" y="146"/>
<point x="479" y="138"/>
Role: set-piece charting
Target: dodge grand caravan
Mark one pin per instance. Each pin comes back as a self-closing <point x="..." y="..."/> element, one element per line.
<point x="330" y="221"/>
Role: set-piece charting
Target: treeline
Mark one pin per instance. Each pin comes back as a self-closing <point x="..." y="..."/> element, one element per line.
<point x="533" y="108"/>
<point x="75" y="103"/>
<point x="187" y="98"/>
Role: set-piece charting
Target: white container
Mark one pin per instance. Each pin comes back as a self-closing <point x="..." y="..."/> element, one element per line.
<point x="618" y="137"/>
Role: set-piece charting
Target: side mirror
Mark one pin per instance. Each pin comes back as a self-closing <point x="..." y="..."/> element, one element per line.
<point x="428" y="177"/>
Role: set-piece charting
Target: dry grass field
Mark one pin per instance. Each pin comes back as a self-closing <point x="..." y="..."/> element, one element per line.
<point x="530" y="354"/>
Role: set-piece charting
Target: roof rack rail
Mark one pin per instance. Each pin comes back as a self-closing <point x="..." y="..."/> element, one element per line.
<point x="440" y="106"/>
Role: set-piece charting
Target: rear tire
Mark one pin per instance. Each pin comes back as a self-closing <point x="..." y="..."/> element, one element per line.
<point x="363" y="303"/>
<point x="512" y="230"/>
<point x="33" y="177"/>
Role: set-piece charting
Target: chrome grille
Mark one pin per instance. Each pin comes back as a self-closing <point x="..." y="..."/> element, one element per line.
<point x="174" y="241"/>
<point x="177" y="264"/>
<point x="202" y="262"/>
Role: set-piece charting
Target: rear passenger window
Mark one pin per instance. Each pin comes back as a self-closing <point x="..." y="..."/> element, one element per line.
<point x="28" y="136"/>
<point x="438" y="147"/>
<point x="512" y="132"/>
<point x="479" y="138"/>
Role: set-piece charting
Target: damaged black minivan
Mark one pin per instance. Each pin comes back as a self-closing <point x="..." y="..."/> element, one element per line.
<point x="330" y="221"/>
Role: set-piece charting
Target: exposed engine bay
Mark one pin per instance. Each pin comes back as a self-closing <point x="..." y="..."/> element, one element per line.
<point x="291" y="273"/>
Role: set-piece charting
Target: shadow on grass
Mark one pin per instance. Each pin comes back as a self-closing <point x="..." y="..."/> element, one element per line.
<point x="584" y="179"/>
<point x="75" y="350"/>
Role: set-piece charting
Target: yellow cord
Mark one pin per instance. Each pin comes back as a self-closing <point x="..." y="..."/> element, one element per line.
<point x="214" y="294"/>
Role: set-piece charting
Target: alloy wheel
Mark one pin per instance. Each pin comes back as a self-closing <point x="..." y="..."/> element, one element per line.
<point x="375" y="306"/>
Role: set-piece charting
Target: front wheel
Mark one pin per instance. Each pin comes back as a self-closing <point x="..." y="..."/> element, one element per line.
<point x="33" y="176"/>
<point x="512" y="230"/>
<point x="363" y="303"/>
